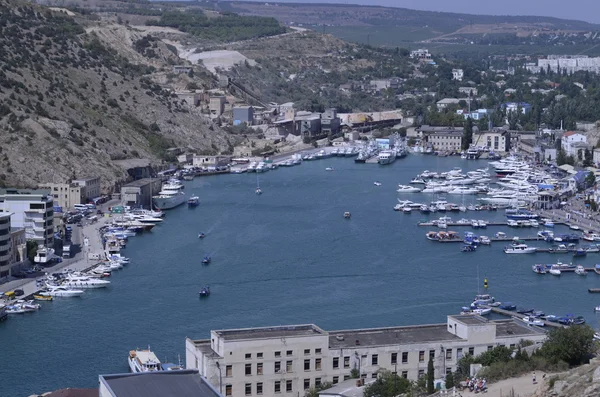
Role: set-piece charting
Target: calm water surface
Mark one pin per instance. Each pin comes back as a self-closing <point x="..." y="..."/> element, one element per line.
<point x="286" y="257"/>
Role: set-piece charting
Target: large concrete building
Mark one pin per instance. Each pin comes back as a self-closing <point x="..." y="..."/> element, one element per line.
<point x="496" y="141"/>
<point x="287" y="360"/>
<point x="79" y="191"/>
<point x="91" y="187"/>
<point x="33" y="210"/>
<point x="449" y="141"/>
<point x="140" y="192"/>
<point x="243" y="115"/>
<point x="569" y="64"/>
<point x="5" y="244"/>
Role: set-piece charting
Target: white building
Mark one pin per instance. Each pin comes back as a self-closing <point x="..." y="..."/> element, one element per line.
<point x="5" y="244"/>
<point x="495" y="141"/>
<point x="570" y="64"/>
<point x="568" y="141"/>
<point x="287" y="360"/>
<point x="33" y="210"/>
<point x="444" y="103"/>
<point x="421" y="53"/>
<point x="449" y="141"/>
<point x="458" y="74"/>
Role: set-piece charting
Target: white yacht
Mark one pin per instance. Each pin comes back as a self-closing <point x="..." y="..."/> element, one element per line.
<point x="81" y="281"/>
<point x="56" y="290"/>
<point x="519" y="249"/>
<point x="44" y="255"/>
<point x="463" y="190"/>
<point x="386" y="157"/>
<point x="143" y="361"/>
<point x="407" y="189"/>
<point x="169" y="197"/>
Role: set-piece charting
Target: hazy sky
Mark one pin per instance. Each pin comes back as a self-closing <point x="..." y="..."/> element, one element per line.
<point x="584" y="10"/>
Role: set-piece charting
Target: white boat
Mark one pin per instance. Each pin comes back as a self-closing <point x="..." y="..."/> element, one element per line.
<point x="169" y="197"/>
<point x="533" y="321"/>
<point x="417" y="181"/>
<point x="580" y="270"/>
<point x="481" y="311"/>
<point x="143" y="361"/>
<point x="407" y="189"/>
<point x="55" y="290"/>
<point x="519" y="249"/>
<point x="407" y="210"/>
<point x="555" y="270"/>
<point x="386" y="157"/>
<point x="329" y="169"/>
<point x="377" y="183"/>
<point x="44" y="255"/>
<point x="80" y="281"/>
<point x="462" y="190"/>
<point x="485" y="240"/>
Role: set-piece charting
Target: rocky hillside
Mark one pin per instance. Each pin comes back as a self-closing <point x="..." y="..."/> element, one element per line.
<point x="583" y="381"/>
<point x="70" y="104"/>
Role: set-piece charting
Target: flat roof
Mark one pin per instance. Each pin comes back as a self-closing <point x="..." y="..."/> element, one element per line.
<point x="141" y="182"/>
<point x="24" y="192"/>
<point x="271" y="332"/>
<point x="510" y="328"/>
<point x="470" y="319"/>
<point x="390" y="336"/>
<point x="180" y="383"/>
<point x="346" y="388"/>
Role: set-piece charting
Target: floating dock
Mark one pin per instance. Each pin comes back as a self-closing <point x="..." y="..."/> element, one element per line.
<point x="453" y="224"/>
<point x="510" y="313"/>
<point x="493" y="239"/>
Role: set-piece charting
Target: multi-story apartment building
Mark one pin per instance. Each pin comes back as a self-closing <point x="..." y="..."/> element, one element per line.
<point x="31" y="210"/>
<point x="287" y="360"/>
<point x="5" y="243"/>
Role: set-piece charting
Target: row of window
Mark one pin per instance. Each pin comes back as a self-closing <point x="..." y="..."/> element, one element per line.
<point x="277" y="367"/>
<point x="287" y="353"/>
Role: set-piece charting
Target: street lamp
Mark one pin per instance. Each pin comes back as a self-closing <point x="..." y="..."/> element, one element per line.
<point x="220" y="378"/>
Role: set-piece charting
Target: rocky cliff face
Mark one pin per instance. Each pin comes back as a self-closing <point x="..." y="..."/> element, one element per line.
<point x="583" y="381"/>
<point x="70" y="104"/>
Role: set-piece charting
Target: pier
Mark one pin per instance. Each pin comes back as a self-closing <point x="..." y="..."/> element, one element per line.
<point x="494" y="239"/>
<point x="510" y="313"/>
<point x="454" y="224"/>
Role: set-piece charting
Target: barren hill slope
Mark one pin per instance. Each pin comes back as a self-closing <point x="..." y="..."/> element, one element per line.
<point x="70" y="105"/>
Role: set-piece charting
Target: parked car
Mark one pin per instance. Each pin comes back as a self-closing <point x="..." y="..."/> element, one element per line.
<point x="19" y="292"/>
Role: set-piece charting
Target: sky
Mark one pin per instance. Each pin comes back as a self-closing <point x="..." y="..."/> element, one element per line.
<point x="584" y="10"/>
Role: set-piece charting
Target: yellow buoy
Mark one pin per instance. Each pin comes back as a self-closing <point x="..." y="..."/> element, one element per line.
<point x="485" y="283"/>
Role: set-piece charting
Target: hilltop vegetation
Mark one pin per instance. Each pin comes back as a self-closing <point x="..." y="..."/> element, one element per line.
<point x="70" y="105"/>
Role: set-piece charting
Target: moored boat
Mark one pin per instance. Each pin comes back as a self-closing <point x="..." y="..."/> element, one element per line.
<point x="143" y="361"/>
<point x="193" y="201"/>
<point x="580" y="270"/>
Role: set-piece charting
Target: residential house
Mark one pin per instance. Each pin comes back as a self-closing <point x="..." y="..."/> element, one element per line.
<point x="475" y="114"/>
<point x="568" y="141"/>
<point x="445" y="103"/>
<point x="5" y="244"/>
<point x="425" y="130"/>
<point x="469" y="91"/>
<point x="596" y="157"/>
<point x="458" y="74"/>
<point x="421" y="54"/>
<point x="91" y="188"/>
<point x="523" y="107"/>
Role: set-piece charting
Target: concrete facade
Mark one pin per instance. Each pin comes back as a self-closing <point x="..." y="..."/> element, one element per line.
<point x="243" y="114"/>
<point x="5" y="244"/>
<point x="287" y="360"/>
<point x="65" y="194"/>
<point x="140" y="192"/>
<point x="458" y="74"/>
<point x="446" y="140"/>
<point x="569" y="140"/>
<point x="206" y="161"/>
<point x="91" y="186"/>
<point x="33" y="210"/>
<point x="216" y="105"/>
<point x="496" y="141"/>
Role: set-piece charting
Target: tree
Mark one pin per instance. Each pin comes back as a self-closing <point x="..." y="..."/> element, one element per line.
<point x="430" y="375"/>
<point x="32" y="247"/>
<point x="354" y="374"/>
<point x="573" y="345"/>
<point x="561" y="158"/>
<point x="468" y="134"/>
<point x="450" y="380"/>
<point x="388" y="384"/>
<point x="587" y="158"/>
<point x="314" y="391"/>
<point x="590" y="179"/>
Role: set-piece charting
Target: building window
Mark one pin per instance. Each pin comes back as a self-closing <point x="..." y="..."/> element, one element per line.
<point x="289" y="352"/>
<point x="307" y="365"/>
<point x="336" y="362"/>
<point x="336" y="379"/>
<point x="448" y="370"/>
<point x="317" y="382"/>
<point x="228" y="391"/>
<point x="248" y="356"/>
<point x="248" y="369"/>
<point x="228" y="371"/>
<point x="432" y="354"/>
<point x="259" y="355"/>
<point x="259" y="388"/>
<point x="288" y="385"/>
<point x="317" y="351"/>
<point x="306" y="384"/>
<point x="512" y="346"/>
<point x="490" y="347"/>
<point x="259" y="368"/>
<point x="346" y="377"/>
<point x="248" y="389"/>
<point x="394" y="358"/>
<point x="288" y="366"/>
<point x="347" y="362"/>
<point x="421" y="373"/>
<point x="306" y="352"/>
<point x="374" y="375"/>
<point x="472" y="351"/>
<point x="277" y="368"/>
<point x="448" y="354"/>
<point x="374" y="359"/>
<point x="277" y="354"/>
<point x="317" y="364"/>
<point x="277" y="387"/>
<point x="404" y="357"/>
<point x="405" y="374"/>
<point x="459" y="353"/>
<point x="422" y="356"/>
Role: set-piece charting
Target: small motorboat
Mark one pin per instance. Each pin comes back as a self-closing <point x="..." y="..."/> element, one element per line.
<point x="377" y="183"/>
<point x="42" y="297"/>
<point x="579" y="252"/>
<point x="533" y="321"/>
<point x="539" y="269"/>
<point x="574" y="227"/>
<point x="555" y="270"/>
<point x="524" y="311"/>
<point x="201" y="235"/>
<point x="552" y="318"/>
<point x="258" y="191"/>
<point x="347" y="215"/>
<point x="193" y="201"/>
<point x="329" y="169"/>
<point x="508" y="306"/>
<point x="206" y="260"/>
<point x="468" y="248"/>
<point x="580" y="271"/>
<point x="485" y="240"/>
<point x="597" y="309"/>
<point x="204" y="292"/>
<point x="482" y="311"/>
<point x="537" y="313"/>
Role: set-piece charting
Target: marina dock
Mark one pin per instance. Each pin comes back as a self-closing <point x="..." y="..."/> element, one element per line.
<point x="454" y="224"/>
<point x="492" y="239"/>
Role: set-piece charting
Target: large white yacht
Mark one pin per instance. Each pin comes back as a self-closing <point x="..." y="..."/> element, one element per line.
<point x="143" y="361"/>
<point x="55" y="290"/>
<point x="386" y="157"/>
<point x="80" y="281"/>
<point x="170" y="196"/>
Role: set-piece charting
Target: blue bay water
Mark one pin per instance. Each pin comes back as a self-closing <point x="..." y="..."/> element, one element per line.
<point x="286" y="257"/>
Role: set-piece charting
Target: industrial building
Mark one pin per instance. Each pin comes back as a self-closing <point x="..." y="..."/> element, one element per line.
<point x="291" y="359"/>
<point x="450" y="141"/>
<point x="32" y="210"/>
<point x="243" y="114"/>
<point x="140" y="192"/>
